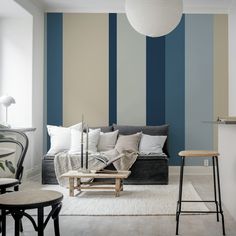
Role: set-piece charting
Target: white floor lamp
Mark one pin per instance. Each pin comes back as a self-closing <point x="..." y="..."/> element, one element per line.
<point x="6" y="101"/>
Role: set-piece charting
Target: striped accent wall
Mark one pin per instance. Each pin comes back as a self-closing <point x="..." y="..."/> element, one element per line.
<point x="100" y="66"/>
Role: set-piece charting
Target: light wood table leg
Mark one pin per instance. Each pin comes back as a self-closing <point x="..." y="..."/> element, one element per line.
<point x="122" y="185"/>
<point x="71" y="187"/>
<point x="79" y="184"/>
<point x="117" y="187"/>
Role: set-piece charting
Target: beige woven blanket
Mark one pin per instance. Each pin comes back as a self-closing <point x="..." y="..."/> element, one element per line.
<point x="65" y="162"/>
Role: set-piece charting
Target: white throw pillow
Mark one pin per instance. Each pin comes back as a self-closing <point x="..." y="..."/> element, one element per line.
<point x="93" y="138"/>
<point x="107" y="141"/>
<point x="151" y="144"/>
<point x="60" y="138"/>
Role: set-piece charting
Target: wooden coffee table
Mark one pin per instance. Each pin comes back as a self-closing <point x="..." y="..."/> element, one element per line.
<point x="75" y="181"/>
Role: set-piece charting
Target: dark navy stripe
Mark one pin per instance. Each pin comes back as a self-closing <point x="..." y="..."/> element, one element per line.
<point x="112" y="68"/>
<point x="54" y="69"/>
<point x="175" y="91"/>
<point x="155" y="87"/>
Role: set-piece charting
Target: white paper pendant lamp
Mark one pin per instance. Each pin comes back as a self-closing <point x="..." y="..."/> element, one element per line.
<point x="154" y="18"/>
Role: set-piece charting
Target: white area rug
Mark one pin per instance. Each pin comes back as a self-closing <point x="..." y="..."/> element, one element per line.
<point x="134" y="200"/>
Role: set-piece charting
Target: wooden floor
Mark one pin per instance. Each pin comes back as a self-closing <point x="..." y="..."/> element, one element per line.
<point x="200" y="225"/>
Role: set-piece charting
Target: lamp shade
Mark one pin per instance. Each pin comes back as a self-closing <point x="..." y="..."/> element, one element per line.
<point x="154" y="18"/>
<point x="6" y="101"/>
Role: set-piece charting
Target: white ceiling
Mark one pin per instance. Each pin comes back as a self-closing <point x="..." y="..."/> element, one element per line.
<point x="9" y="8"/>
<point x="190" y="6"/>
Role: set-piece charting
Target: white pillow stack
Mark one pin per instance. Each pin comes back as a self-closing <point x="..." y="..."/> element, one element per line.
<point x="60" y="138"/>
<point x="151" y="144"/>
<point x="107" y="141"/>
<point x="93" y="138"/>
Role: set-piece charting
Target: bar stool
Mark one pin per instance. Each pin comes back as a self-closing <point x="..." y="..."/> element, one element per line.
<point x="195" y="154"/>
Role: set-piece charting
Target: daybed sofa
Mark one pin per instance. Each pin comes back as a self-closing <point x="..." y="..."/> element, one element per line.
<point x="148" y="169"/>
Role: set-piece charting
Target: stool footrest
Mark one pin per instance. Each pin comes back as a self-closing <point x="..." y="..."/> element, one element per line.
<point x="198" y="201"/>
<point x="198" y="212"/>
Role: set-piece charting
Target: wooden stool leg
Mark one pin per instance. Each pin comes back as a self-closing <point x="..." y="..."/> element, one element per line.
<point x="179" y="203"/>
<point x="215" y="194"/>
<point x="117" y="187"/>
<point x="219" y="194"/>
<point x="122" y="185"/>
<point x="40" y="221"/>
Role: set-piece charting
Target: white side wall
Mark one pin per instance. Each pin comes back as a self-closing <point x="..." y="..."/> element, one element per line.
<point x="227" y="161"/>
<point x="16" y="69"/>
<point x="38" y="122"/>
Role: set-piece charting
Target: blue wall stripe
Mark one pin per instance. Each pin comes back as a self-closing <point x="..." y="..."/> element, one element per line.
<point x="155" y="76"/>
<point x="54" y="68"/>
<point x="175" y="90"/>
<point x="112" y="68"/>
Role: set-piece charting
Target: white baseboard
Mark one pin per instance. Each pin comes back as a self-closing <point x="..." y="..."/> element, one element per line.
<point x="32" y="172"/>
<point x="191" y="170"/>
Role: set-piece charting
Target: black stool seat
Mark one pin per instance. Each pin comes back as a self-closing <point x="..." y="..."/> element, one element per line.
<point x="16" y="203"/>
<point x="216" y="179"/>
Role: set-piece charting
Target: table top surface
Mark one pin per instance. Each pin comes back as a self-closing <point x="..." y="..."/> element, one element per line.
<point x="4" y="152"/>
<point x="101" y="174"/>
<point x="30" y="199"/>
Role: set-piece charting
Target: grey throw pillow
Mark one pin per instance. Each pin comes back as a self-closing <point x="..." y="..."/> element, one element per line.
<point x="128" y="143"/>
<point x="107" y="141"/>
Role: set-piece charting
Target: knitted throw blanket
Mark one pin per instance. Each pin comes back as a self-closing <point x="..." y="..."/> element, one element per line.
<point x="65" y="162"/>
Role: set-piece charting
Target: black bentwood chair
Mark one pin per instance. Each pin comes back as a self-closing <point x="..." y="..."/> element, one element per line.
<point x="19" y="143"/>
<point x="20" y="140"/>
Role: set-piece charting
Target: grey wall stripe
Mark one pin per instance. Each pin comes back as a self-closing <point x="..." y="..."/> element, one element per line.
<point x="131" y="74"/>
<point x="199" y="83"/>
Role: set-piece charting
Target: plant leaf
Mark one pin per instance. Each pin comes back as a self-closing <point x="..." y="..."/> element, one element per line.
<point x="2" y="166"/>
<point x="10" y="166"/>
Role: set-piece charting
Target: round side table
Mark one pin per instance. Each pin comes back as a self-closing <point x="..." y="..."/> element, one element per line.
<point x="16" y="203"/>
